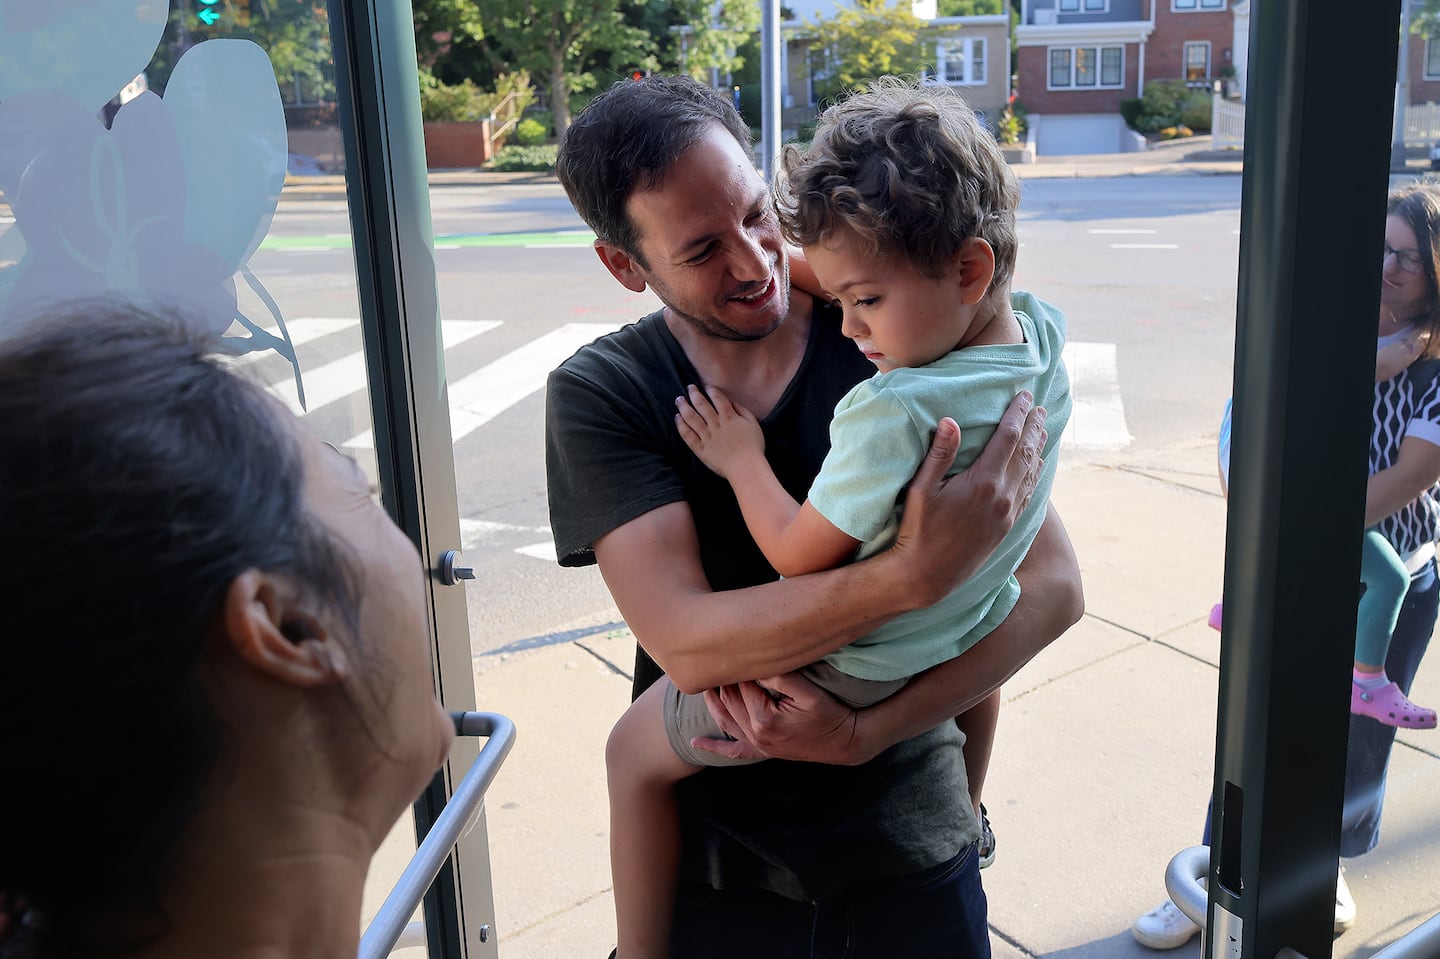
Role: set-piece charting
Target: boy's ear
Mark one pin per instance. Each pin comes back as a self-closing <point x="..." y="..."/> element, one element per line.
<point x="270" y="631"/>
<point x="622" y="266"/>
<point x="975" y="262"/>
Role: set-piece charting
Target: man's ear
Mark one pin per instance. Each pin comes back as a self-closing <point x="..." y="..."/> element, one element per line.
<point x="622" y="266"/>
<point x="975" y="262"/>
<point x="264" y="624"/>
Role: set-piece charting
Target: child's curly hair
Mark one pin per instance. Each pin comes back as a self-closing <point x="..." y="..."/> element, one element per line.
<point x="909" y="168"/>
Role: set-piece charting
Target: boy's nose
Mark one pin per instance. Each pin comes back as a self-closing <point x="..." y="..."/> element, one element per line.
<point x="851" y="326"/>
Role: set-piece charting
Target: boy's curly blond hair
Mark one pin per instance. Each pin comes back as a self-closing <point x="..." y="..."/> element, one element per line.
<point x="909" y="168"/>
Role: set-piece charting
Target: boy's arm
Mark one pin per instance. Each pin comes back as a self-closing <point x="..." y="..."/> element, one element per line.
<point x="794" y="537"/>
<point x="702" y="638"/>
<point x="1051" y="601"/>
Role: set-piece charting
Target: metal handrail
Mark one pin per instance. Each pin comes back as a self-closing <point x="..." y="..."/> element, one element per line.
<point x="1190" y="866"/>
<point x="1182" y="882"/>
<point x="389" y="924"/>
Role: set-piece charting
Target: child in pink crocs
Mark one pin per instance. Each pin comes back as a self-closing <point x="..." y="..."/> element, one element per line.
<point x="1386" y="582"/>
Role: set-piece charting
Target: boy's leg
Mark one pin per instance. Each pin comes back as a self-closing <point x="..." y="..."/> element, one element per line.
<point x="644" y="825"/>
<point x="978" y="724"/>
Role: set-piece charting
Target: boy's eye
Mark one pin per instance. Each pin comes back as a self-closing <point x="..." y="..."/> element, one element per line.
<point x="867" y="301"/>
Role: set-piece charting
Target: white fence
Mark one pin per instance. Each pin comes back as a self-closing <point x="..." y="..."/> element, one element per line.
<point x="1422" y="124"/>
<point x="1227" y="123"/>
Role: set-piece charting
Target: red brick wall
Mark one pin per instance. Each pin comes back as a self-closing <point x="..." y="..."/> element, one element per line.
<point x="1165" y="53"/>
<point x="1033" y="69"/>
<point x="1421" y="90"/>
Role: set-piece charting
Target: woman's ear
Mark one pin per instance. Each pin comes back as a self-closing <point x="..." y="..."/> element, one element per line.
<point x="975" y="268"/>
<point x="277" y="634"/>
<point x="622" y="266"/>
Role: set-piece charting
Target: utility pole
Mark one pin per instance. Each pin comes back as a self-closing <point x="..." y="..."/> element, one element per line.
<point x="1402" y="90"/>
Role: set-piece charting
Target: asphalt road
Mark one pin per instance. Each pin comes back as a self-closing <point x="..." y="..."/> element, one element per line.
<point x="1144" y="267"/>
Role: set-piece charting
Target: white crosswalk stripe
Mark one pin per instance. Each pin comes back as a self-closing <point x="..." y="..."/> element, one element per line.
<point x="491" y="390"/>
<point x="1097" y="418"/>
<point x="1097" y="421"/>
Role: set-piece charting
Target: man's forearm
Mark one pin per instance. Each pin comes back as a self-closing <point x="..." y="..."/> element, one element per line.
<point x="1051" y="602"/>
<point x="703" y="638"/>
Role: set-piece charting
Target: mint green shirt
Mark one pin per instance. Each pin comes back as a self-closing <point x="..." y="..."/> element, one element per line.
<point x="880" y="434"/>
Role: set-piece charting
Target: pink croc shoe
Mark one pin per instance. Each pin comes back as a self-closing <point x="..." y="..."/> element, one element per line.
<point x="1215" y="613"/>
<point x="1389" y="706"/>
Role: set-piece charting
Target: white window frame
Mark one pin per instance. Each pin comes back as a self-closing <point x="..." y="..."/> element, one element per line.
<point x="1099" y="50"/>
<point x="1431" y="44"/>
<point x="1198" y="6"/>
<point x="969" y="77"/>
<point x="1082" y="6"/>
<point x="1185" y="59"/>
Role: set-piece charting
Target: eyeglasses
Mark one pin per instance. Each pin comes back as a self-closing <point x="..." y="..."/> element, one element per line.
<point x="1407" y="260"/>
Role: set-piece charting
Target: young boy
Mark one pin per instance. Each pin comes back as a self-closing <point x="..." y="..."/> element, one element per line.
<point x="905" y="209"/>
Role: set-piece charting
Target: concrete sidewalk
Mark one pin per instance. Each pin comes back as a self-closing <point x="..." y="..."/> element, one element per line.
<point x="1101" y="770"/>
<point x="1192" y="156"/>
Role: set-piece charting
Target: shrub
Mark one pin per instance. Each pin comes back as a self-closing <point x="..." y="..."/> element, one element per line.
<point x="1130" y="110"/>
<point x="1196" y="114"/>
<point x="442" y="102"/>
<point x="517" y="158"/>
<point x="530" y="132"/>
<point x="1012" y="125"/>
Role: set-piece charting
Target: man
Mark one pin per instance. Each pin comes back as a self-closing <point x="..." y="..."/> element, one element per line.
<point x="661" y="170"/>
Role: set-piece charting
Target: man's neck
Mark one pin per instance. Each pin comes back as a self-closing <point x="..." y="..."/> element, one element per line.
<point x="754" y="373"/>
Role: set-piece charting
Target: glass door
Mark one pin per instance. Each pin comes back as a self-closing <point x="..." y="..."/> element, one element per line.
<point x="257" y="166"/>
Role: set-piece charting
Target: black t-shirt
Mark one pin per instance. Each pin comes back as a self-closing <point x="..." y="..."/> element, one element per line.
<point x="802" y="830"/>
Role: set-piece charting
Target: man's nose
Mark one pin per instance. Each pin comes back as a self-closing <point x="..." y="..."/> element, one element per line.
<point x="752" y="261"/>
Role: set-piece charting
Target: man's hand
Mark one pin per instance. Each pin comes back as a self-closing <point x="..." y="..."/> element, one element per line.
<point x="787" y="717"/>
<point x="951" y="525"/>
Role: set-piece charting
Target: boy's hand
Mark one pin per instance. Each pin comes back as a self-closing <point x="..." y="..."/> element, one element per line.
<point x="725" y="435"/>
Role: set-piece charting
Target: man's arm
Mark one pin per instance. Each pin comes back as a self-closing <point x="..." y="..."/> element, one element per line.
<point x="809" y="724"/>
<point x="702" y="638"/>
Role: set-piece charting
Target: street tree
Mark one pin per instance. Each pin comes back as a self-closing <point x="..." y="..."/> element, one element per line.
<point x="565" y="45"/>
<point x="704" y="35"/>
<point x="864" y="40"/>
<point x="969" y="8"/>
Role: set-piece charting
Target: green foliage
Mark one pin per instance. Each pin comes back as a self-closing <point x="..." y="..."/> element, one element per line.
<point x="1012" y="126"/>
<point x="465" y="102"/>
<point x="1169" y="104"/>
<point x="530" y="133"/>
<point x="701" y="35"/>
<point x="969" y="8"/>
<point x="1130" y="110"/>
<point x="442" y="102"/>
<point x="1197" y="112"/>
<point x="866" y="40"/>
<point x="566" y="45"/>
<point x="517" y="158"/>
<point x="295" y="36"/>
<point x="441" y="23"/>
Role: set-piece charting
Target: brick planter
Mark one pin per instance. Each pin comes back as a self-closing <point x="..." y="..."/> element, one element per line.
<point x="457" y="145"/>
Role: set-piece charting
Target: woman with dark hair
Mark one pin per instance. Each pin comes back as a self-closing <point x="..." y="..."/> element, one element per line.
<point x="1402" y="503"/>
<point x="215" y="698"/>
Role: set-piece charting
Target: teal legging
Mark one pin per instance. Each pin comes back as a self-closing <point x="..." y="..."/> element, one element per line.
<point x="1386" y="579"/>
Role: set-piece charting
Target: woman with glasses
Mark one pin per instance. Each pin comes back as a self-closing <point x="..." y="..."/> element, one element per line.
<point x="1402" y="515"/>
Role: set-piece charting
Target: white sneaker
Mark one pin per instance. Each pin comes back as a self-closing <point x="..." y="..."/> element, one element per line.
<point x="1344" y="905"/>
<point x="1164" y="927"/>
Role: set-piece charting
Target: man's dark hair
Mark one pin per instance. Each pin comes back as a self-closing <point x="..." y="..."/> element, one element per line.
<point x="628" y="138"/>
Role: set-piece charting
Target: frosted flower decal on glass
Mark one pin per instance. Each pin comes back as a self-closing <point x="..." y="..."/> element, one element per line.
<point x="167" y="206"/>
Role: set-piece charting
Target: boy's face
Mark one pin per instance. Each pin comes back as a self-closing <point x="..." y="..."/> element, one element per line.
<point x="896" y="316"/>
